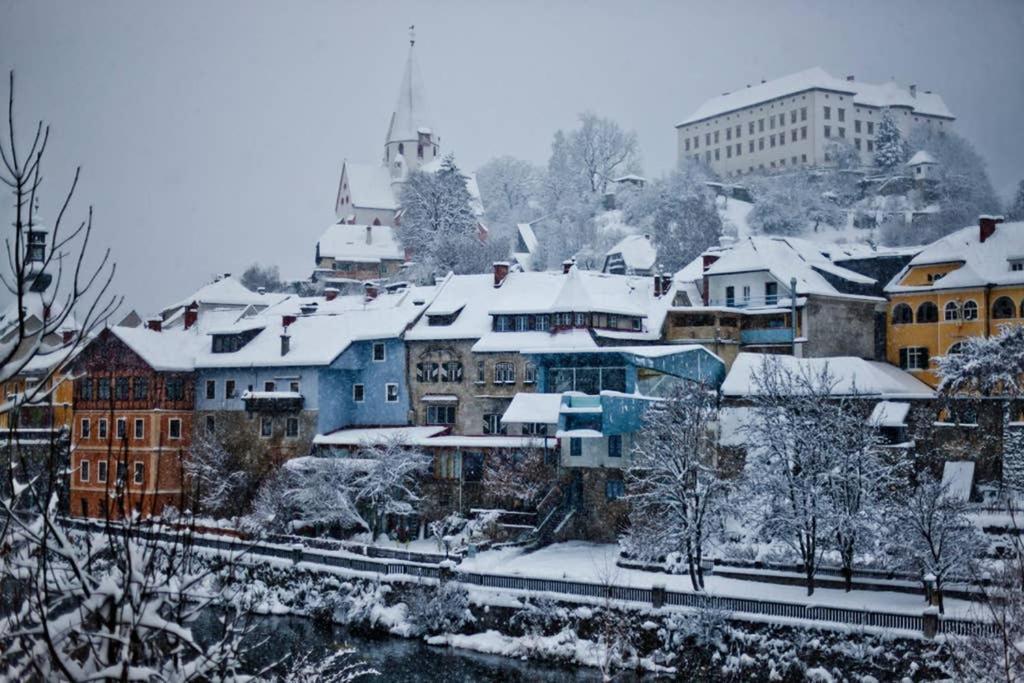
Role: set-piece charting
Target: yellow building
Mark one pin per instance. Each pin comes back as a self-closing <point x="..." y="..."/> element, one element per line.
<point x="967" y="284"/>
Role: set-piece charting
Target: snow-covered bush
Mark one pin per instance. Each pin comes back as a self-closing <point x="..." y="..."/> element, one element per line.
<point x="340" y="666"/>
<point x="539" y="617"/>
<point x="439" y="609"/>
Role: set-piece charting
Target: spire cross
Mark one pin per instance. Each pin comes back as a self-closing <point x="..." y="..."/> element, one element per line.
<point x="412" y="35"/>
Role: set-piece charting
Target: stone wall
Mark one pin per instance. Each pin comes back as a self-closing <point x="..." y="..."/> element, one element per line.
<point x="839" y="327"/>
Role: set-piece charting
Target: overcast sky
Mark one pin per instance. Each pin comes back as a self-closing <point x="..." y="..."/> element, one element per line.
<point x="211" y="134"/>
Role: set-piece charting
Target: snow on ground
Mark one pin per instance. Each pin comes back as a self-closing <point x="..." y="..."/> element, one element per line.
<point x="591" y="562"/>
<point x="733" y="213"/>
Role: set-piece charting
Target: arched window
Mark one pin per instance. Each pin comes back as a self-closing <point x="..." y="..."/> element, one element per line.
<point x="902" y="314"/>
<point x="927" y="313"/>
<point x="970" y="311"/>
<point x="955" y="348"/>
<point x="1004" y="308"/>
<point x="951" y="311"/>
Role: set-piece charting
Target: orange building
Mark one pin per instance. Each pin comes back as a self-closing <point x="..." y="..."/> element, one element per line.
<point x="967" y="284"/>
<point x="133" y="402"/>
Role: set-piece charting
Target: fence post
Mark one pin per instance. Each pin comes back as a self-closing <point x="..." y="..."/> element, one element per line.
<point x="297" y="549"/>
<point x="446" y="571"/>
<point x="658" y="595"/>
<point x="930" y="622"/>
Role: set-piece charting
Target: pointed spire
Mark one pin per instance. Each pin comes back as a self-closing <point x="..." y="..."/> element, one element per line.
<point x="410" y="116"/>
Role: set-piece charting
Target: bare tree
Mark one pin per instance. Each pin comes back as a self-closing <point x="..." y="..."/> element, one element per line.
<point x="309" y="493"/>
<point x="390" y="484"/>
<point x="677" y="496"/>
<point x="516" y="478"/>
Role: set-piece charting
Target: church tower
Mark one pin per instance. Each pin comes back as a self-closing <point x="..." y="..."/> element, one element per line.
<point x="412" y="141"/>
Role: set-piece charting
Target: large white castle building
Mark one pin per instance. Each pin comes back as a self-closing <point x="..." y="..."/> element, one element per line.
<point x="789" y="122"/>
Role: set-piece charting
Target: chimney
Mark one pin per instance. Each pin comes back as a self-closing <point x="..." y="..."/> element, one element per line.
<point x="850" y="77"/>
<point x="287" y="320"/>
<point x="191" y="315"/>
<point x="662" y="283"/>
<point x="913" y="91"/>
<point x="330" y="293"/>
<point x="155" y="324"/>
<point x="261" y="290"/>
<point x="371" y="290"/>
<point x="500" y="272"/>
<point x="286" y="341"/>
<point x="567" y="265"/>
<point x="369" y="234"/>
<point x="987" y="226"/>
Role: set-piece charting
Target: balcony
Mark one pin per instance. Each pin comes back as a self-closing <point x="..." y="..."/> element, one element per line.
<point x="766" y="336"/>
<point x="272" y="401"/>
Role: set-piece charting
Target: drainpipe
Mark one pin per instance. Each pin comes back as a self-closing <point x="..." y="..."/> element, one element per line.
<point x="792" y="310"/>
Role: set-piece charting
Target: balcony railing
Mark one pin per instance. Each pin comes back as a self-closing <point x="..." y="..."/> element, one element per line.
<point x="772" y="335"/>
<point x="273" y="401"/>
<point x="772" y="301"/>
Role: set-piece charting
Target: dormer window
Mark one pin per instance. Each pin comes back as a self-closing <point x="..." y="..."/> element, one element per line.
<point x="1017" y="264"/>
<point x="229" y="343"/>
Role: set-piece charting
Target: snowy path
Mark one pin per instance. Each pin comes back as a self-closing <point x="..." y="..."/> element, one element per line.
<point x="581" y="561"/>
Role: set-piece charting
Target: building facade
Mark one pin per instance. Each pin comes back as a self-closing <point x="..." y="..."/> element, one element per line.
<point x="788" y="122"/>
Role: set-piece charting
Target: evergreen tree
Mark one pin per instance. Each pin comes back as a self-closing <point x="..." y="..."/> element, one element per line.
<point x="1015" y="211"/>
<point x="890" y="149"/>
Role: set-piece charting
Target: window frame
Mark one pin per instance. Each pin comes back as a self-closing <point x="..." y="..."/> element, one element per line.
<point x="383" y="352"/>
<point x="102" y="472"/>
<point x="575" y="447"/>
<point x="358" y="393"/>
<point x="83" y="471"/>
<point x="139" y="472"/>
<point x="387" y="392"/>
<point x="290" y="433"/>
<point x="211" y="389"/>
<point x="101" y="428"/>
<point x="230" y="389"/>
<point x="266" y="427"/>
<point x="171" y="424"/>
<point x="85" y="429"/>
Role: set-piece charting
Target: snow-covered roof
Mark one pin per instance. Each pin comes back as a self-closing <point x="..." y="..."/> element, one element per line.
<point x="410" y="115"/>
<point x="982" y="263"/>
<point x="578" y="291"/>
<point x="530" y="408"/>
<point x="785" y="258"/>
<point x="637" y="252"/>
<point x="174" y="349"/>
<point x="368" y="436"/>
<point x="888" y="94"/>
<point x="465" y="295"/>
<point x="536" y="341"/>
<point x="921" y="157"/>
<point x="868" y="378"/>
<point x="369" y="186"/>
<point x="345" y="242"/>
<point x="890" y="414"/>
<point x="630" y="177"/>
<point x="225" y="291"/>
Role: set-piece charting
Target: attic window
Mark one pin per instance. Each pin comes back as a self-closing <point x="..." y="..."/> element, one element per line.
<point x="1017" y="265"/>
<point x="439" y="320"/>
<point x="229" y="343"/>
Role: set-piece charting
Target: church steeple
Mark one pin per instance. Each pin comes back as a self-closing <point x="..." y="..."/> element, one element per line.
<point x="411" y="140"/>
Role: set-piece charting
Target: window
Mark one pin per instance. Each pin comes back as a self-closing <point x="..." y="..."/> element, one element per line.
<point x="716" y="137"/>
<point x="229" y="389"/>
<point x="84" y="389"/>
<point x="792" y="116"/>
<point x="211" y="389"/>
<point x="728" y="134"/>
<point x="291" y="427"/>
<point x="428" y="371"/>
<point x="728" y="152"/>
<point x="955" y="349"/>
<point x="1003" y="308"/>
<point x="871" y="145"/>
<point x="842" y="132"/>
<point x="902" y="314"/>
<point x="760" y="144"/>
<point x="575" y="446"/>
<point x="615" y="446"/>
<point x="871" y="130"/>
<point x="828" y="132"/>
<point x="84" y="432"/>
<point x="140" y="388"/>
<point x="266" y="427"/>
<point x="746" y="295"/>
<point x="803" y="113"/>
<point x="730" y="296"/>
<point x="535" y="429"/>
<point x="269" y="386"/>
<point x="103" y="428"/>
<point x="828" y="113"/>
<point x="502" y="323"/>
<point x="140" y="472"/>
<point x="716" y="155"/>
<point x="750" y="128"/>
<point x="83" y="471"/>
<point x="493" y="425"/>
<point x="951" y="311"/>
<point x="914" y="358"/>
<point x="122" y="428"/>
<point x="760" y="125"/>
<point x="614" y="489"/>
<point x="970" y="310"/>
<point x="391" y="392"/>
<point x="541" y="323"/>
<point x="856" y="143"/>
<point x="522" y="323"/>
<point x="121" y="388"/>
<point x="529" y="373"/>
<point x="122" y="470"/>
<point x="927" y="312"/>
<point x="856" y="126"/>
<point x="441" y="415"/>
<point x="140" y="428"/>
<point x="750" y="146"/>
<point x="175" y="389"/>
<point x="481" y="372"/>
<point x="101" y="472"/>
<point x="771" y="139"/>
<point x="358" y="393"/>
<point x="174" y="428"/>
<point x="103" y="389"/>
<point x="1017" y="265"/>
<point x="771" y="293"/>
<point x="293" y="386"/>
<point x="842" y="114"/>
<point x="792" y="135"/>
<point x="803" y="132"/>
<point x="451" y="371"/>
<point x="379" y="354"/>
<point x="504" y="373"/>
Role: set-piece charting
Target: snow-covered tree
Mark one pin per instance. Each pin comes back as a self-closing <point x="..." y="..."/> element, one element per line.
<point x="676" y="496"/>
<point x="890" y="148"/>
<point x="439" y="609"/>
<point x="438" y="224"/>
<point x="986" y="366"/>
<point x="789" y="205"/>
<point x="309" y="493"/>
<point x="932" y="535"/>
<point x="601" y="150"/>
<point x="390" y="484"/>
<point x="267" y="277"/>
<point x="841" y="153"/>
<point x="1015" y="209"/>
<point x="679" y="211"/>
<point x="516" y="478"/>
<point x="219" y="485"/>
<point x="803" y="480"/>
<point x="510" y="189"/>
<point x="339" y="666"/>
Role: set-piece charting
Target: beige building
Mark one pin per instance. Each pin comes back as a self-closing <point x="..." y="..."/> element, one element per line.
<point x="789" y="122"/>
